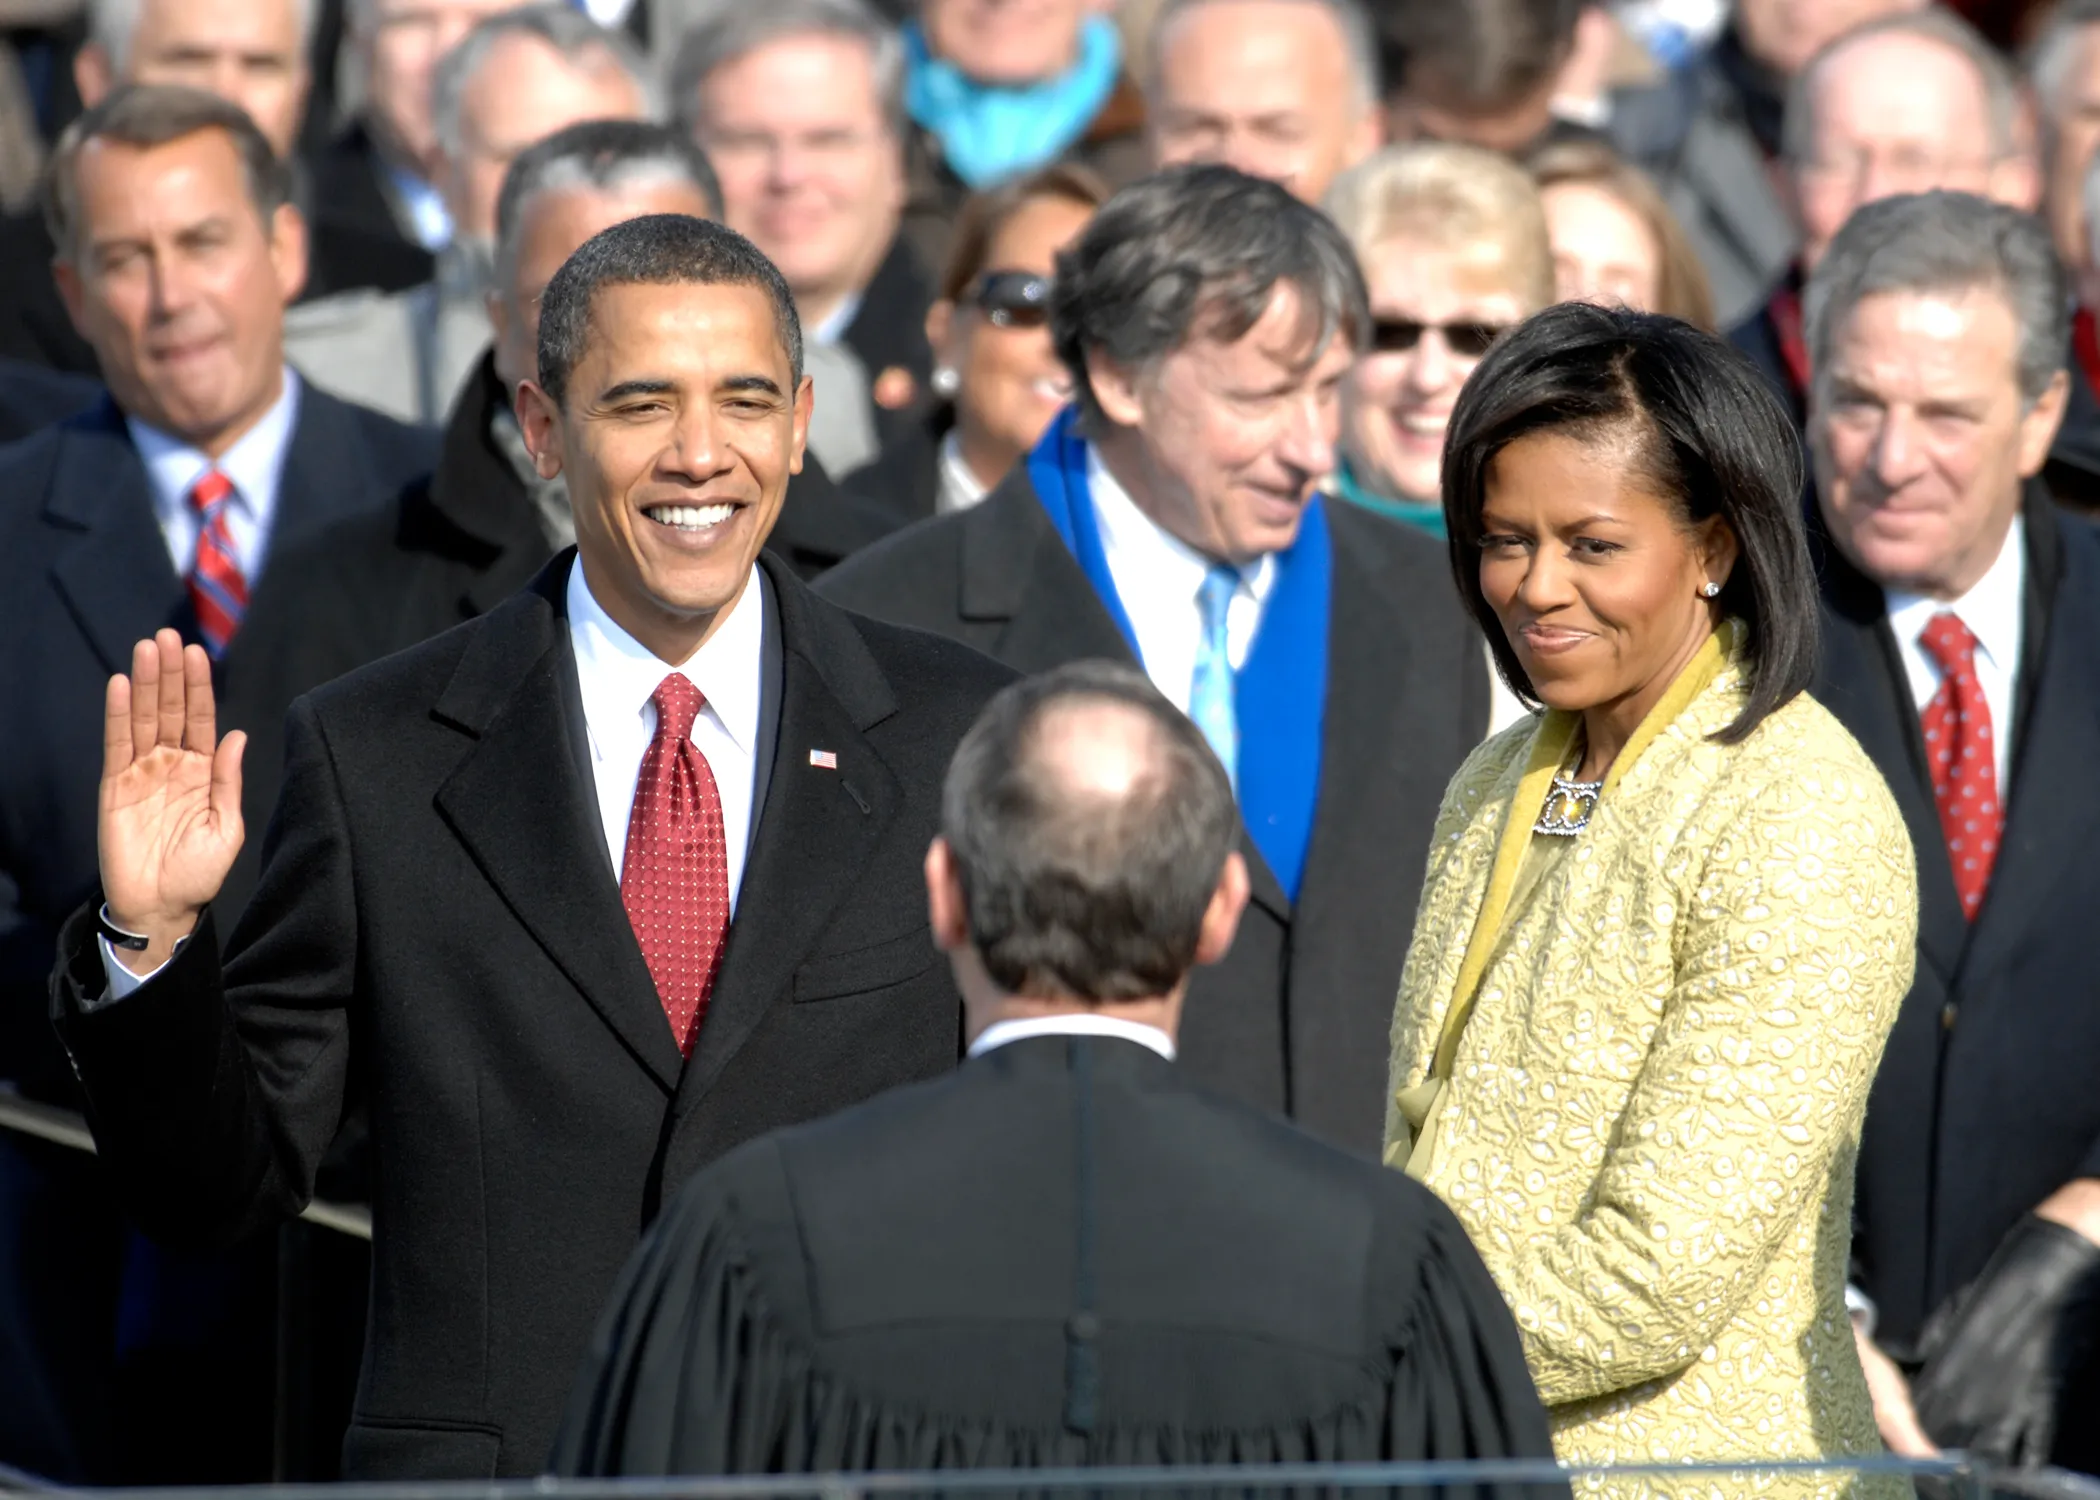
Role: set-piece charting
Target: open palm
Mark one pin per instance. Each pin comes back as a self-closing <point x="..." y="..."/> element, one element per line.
<point x="170" y="822"/>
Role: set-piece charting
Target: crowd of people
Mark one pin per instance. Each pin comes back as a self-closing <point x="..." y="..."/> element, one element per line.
<point x="522" y="523"/>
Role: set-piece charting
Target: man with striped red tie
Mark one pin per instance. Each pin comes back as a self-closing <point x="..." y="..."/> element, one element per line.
<point x="160" y="506"/>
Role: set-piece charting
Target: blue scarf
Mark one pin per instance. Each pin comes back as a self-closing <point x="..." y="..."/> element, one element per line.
<point x="1279" y="694"/>
<point x="992" y="132"/>
<point x="1423" y="517"/>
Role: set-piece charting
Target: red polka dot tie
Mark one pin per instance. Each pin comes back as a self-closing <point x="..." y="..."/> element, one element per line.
<point x="1963" y="760"/>
<point x="675" y="879"/>
<point x="218" y="590"/>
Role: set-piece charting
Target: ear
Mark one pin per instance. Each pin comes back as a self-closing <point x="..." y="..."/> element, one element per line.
<point x="540" y="420"/>
<point x="1717" y="549"/>
<point x="2038" y="425"/>
<point x="93" y="77"/>
<point x="288" y="251"/>
<point x="946" y="911"/>
<point x="805" y="403"/>
<point x="67" y="278"/>
<point x="1115" y="389"/>
<point x="940" y="323"/>
<point x="2016" y="181"/>
<point x="1221" y="919"/>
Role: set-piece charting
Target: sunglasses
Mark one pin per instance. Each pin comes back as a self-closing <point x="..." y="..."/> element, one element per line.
<point x="1468" y="340"/>
<point x="1012" y="299"/>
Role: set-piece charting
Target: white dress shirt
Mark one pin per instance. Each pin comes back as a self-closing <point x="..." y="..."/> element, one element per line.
<point x="618" y="674"/>
<point x="1994" y="614"/>
<point x="254" y="464"/>
<point x="1158" y="577"/>
<point x="999" y="1033"/>
<point x="959" y="487"/>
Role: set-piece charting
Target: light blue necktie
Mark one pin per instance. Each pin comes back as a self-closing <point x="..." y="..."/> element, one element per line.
<point x="1210" y="690"/>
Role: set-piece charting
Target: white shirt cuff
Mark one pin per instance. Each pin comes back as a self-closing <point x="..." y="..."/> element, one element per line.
<point x="1862" y="1309"/>
<point x="121" y="980"/>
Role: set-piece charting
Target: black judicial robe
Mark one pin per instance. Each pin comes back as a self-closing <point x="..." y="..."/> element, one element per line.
<point x="1063" y="1254"/>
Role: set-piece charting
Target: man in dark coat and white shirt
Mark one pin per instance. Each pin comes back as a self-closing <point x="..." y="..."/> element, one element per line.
<point x="584" y="892"/>
<point x="1067" y="1253"/>
<point x="1172" y="519"/>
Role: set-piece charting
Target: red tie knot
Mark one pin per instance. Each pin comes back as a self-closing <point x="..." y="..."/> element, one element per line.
<point x="208" y="491"/>
<point x="678" y="703"/>
<point x="1949" y="642"/>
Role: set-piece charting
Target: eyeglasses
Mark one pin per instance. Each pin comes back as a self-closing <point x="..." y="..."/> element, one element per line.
<point x="1468" y="340"/>
<point x="1012" y="299"/>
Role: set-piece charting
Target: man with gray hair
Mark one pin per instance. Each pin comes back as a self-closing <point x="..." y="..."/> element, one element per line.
<point x="1283" y="89"/>
<point x="1173" y="518"/>
<point x="800" y="105"/>
<point x="516" y="77"/>
<point x="1067" y="1253"/>
<point x="1961" y="647"/>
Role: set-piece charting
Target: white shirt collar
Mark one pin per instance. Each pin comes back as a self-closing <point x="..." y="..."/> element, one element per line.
<point x="618" y="674"/>
<point x="1175" y="567"/>
<point x="255" y="462"/>
<point x="1992" y="609"/>
<point x="999" y="1033"/>
<point x="834" y="327"/>
<point x="960" y="488"/>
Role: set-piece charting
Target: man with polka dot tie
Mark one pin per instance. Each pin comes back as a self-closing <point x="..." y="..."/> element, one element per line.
<point x="1962" y="648"/>
<point x="588" y="891"/>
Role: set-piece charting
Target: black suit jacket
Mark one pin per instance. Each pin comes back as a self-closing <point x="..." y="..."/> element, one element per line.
<point x="888" y="332"/>
<point x="1062" y="1254"/>
<point x="1985" y="1103"/>
<point x="1297" y="1017"/>
<point x="358" y="241"/>
<point x="438" y="919"/>
<point x="84" y="573"/>
<point x="460" y="542"/>
<point x="32" y="397"/>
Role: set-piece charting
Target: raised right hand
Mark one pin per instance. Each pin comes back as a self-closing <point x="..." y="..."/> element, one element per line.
<point x="170" y="822"/>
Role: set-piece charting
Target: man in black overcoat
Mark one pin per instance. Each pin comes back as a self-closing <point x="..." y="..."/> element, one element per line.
<point x="101" y="539"/>
<point x="1206" y="317"/>
<point x="584" y="892"/>
<point x="1067" y="1253"/>
<point x="1962" y="648"/>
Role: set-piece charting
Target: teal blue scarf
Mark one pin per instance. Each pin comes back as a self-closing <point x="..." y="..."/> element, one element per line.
<point x="1429" y="518"/>
<point x="990" y="133"/>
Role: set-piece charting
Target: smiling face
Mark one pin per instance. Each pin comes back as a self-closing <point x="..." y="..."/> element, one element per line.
<point x="1225" y="441"/>
<point x="180" y="285"/>
<point x="1399" y="403"/>
<point x="1594" y="577"/>
<point x="677" y="434"/>
<point x="1921" y="439"/>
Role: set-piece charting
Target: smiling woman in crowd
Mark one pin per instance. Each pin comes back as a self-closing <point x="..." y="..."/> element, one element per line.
<point x="1615" y="242"/>
<point x="1453" y="246"/>
<point x="1667" y="922"/>
<point x="997" y="380"/>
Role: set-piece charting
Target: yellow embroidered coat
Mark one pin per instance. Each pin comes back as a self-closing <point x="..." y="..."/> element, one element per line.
<point x="1651" y="1117"/>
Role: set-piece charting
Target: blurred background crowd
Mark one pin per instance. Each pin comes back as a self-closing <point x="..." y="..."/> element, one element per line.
<point x="913" y="169"/>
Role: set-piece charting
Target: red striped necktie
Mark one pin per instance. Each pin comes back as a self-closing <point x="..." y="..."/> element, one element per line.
<point x="218" y="589"/>
<point x="1963" y="760"/>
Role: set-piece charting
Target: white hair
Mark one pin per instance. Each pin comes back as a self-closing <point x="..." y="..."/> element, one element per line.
<point x="113" y="23"/>
<point x="571" y="33"/>
<point x="1351" y="19"/>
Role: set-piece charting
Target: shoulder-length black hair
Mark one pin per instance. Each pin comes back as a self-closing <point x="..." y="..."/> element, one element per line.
<point x="1706" y="429"/>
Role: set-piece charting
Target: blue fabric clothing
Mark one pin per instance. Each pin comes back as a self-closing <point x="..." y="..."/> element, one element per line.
<point x="990" y="133"/>
<point x="1280" y="691"/>
<point x="1210" y="690"/>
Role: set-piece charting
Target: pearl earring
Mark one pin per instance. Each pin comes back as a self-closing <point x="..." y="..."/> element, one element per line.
<point x="946" y="381"/>
<point x="1710" y="591"/>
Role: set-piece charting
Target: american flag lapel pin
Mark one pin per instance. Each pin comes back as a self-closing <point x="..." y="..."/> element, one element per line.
<point x="824" y="760"/>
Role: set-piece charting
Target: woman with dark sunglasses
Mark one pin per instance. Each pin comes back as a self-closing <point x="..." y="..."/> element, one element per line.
<point x="1453" y="245"/>
<point x="997" y="381"/>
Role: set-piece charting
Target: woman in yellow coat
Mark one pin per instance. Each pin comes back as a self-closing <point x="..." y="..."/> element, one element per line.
<point x="1667" y="921"/>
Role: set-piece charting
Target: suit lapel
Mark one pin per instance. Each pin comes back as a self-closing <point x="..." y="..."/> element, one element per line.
<point x="817" y="828"/>
<point x="521" y="805"/>
<point x="115" y="575"/>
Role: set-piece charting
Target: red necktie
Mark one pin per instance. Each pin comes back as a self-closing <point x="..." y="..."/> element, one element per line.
<point x="1964" y="763"/>
<point x="675" y="880"/>
<point x="218" y="590"/>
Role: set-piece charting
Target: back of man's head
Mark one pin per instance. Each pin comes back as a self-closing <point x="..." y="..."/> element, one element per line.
<point x="1089" y="825"/>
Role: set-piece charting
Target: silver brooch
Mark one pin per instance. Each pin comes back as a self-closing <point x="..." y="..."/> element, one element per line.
<point x="1568" y="807"/>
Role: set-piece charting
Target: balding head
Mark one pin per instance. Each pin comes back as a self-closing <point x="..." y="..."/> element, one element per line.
<point x="1089" y="832"/>
<point x="1906" y="104"/>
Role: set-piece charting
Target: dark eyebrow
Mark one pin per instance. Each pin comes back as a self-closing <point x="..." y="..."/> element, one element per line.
<point x="628" y="388"/>
<point x="765" y="383"/>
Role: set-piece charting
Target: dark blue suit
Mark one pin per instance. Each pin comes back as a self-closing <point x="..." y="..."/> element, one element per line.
<point x="1985" y="1103"/>
<point x="84" y="573"/>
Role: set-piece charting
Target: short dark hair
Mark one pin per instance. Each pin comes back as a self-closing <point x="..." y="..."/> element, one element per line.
<point x="1482" y="54"/>
<point x="601" y="156"/>
<point x="1197" y="248"/>
<point x="1077" y="897"/>
<point x="1708" y="432"/>
<point x="654" y="250"/>
<point x="154" y="114"/>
